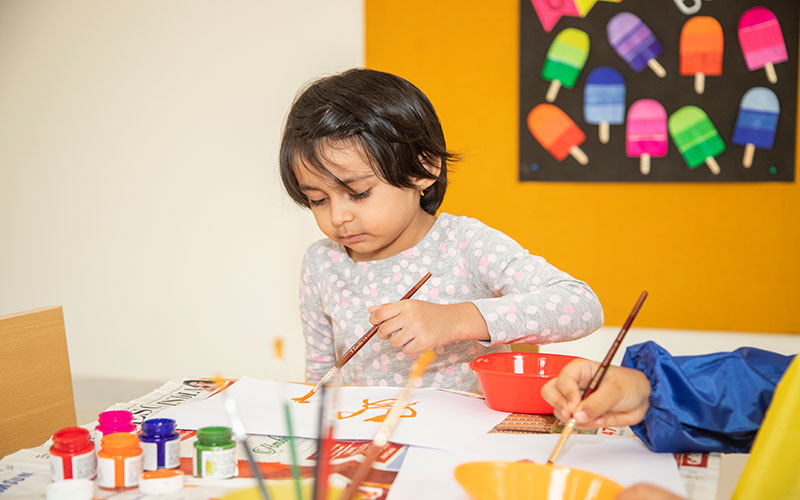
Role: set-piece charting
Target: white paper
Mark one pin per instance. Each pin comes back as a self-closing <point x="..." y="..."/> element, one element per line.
<point x="624" y="460"/>
<point x="443" y="419"/>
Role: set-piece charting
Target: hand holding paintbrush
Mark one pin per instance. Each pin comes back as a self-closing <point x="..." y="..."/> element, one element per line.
<point x="598" y="376"/>
<point x="356" y="347"/>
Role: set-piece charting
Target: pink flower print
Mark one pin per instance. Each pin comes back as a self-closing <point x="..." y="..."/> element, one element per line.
<point x="450" y="371"/>
<point x="462" y="245"/>
<point x="569" y="310"/>
<point x="397" y="276"/>
<point x="484" y="262"/>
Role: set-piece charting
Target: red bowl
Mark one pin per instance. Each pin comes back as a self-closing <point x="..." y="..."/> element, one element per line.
<point x="512" y="381"/>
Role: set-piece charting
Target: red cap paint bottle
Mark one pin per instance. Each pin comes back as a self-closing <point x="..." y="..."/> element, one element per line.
<point x="72" y="455"/>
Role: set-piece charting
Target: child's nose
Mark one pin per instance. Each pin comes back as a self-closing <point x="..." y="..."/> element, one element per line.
<point x="341" y="213"/>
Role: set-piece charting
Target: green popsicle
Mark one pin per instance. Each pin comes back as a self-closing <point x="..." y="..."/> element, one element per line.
<point x="565" y="59"/>
<point x="696" y="138"/>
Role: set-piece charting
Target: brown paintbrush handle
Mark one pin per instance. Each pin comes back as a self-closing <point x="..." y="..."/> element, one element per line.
<point x="371" y="332"/>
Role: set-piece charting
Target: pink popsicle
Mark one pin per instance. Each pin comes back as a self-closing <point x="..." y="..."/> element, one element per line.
<point x="762" y="41"/>
<point x="646" y="132"/>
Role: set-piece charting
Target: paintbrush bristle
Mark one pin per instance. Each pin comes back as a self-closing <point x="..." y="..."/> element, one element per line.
<point x="279" y="348"/>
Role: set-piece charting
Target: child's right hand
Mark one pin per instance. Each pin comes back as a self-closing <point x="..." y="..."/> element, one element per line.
<point x="622" y="398"/>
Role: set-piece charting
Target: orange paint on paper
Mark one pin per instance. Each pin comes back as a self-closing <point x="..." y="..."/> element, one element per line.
<point x="305" y="399"/>
<point x="378" y="405"/>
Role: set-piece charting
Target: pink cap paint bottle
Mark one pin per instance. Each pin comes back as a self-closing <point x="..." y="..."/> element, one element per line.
<point x="110" y="422"/>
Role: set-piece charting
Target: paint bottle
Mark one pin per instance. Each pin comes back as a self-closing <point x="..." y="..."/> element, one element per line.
<point x="72" y="455"/>
<point x="109" y="422"/>
<point x="215" y="453"/>
<point x="119" y="461"/>
<point x="161" y="444"/>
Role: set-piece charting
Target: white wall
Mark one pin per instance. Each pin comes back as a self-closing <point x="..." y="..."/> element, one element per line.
<point x="138" y="175"/>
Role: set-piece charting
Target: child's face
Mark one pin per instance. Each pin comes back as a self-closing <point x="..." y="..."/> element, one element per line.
<point x="374" y="221"/>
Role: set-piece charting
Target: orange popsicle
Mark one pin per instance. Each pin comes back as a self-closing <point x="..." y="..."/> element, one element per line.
<point x="557" y="133"/>
<point x="701" y="50"/>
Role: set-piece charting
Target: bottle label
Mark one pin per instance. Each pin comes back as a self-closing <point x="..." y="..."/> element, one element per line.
<point x="215" y="463"/>
<point x="172" y="454"/>
<point x="82" y="466"/>
<point x="129" y="470"/>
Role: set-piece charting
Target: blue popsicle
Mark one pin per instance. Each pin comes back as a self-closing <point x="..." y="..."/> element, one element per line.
<point x="604" y="99"/>
<point x="757" y="122"/>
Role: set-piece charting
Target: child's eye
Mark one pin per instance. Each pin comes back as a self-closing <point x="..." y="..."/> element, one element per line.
<point x="360" y="196"/>
<point x="316" y="203"/>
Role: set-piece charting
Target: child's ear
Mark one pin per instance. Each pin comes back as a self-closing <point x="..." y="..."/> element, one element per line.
<point x="434" y="166"/>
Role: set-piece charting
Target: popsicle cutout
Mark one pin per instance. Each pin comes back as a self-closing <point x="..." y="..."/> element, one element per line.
<point x="565" y="59"/>
<point x="701" y="49"/>
<point x="757" y="122"/>
<point x="604" y="100"/>
<point x="646" y="132"/>
<point x="696" y="138"/>
<point x="557" y="133"/>
<point x="762" y="41"/>
<point x="635" y="42"/>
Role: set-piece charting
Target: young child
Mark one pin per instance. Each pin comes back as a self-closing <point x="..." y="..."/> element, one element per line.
<point x="364" y="150"/>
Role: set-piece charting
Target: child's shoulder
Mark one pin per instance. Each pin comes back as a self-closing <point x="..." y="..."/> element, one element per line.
<point x="469" y="227"/>
<point x="325" y="249"/>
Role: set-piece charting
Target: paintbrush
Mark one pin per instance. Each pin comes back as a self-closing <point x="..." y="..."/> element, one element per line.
<point x="287" y="412"/>
<point x="237" y="426"/>
<point x="356" y="347"/>
<point x="598" y="376"/>
<point x="324" y="442"/>
<point x="389" y="423"/>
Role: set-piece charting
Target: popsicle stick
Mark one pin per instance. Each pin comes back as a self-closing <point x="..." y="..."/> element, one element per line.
<point x="771" y="75"/>
<point x="579" y="155"/>
<point x="712" y="165"/>
<point x="749" y="152"/>
<point x="699" y="83"/>
<point x="603" y="131"/>
<point x="657" y="68"/>
<point x="644" y="164"/>
<point x="552" y="91"/>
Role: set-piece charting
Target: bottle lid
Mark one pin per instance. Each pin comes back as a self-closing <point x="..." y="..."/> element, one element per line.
<point x="214" y="435"/>
<point x="115" y="416"/>
<point x="158" y="427"/>
<point x="160" y="482"/>
<point x="71" y="439"/>
<point x="119" y="441"/>
<point x="70" y="489"/>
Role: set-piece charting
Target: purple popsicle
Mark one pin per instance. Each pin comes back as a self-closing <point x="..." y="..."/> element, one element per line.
<point x="635" y="42"/>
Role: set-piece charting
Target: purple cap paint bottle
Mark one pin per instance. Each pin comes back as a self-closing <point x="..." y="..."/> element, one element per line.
<point x="161" y="444"/>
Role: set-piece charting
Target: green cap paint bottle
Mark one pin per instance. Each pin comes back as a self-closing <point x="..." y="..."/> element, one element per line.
<point x="215" y="453"/>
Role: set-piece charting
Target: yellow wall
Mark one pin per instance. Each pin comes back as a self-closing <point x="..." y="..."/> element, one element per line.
<point x="720" y="257"/>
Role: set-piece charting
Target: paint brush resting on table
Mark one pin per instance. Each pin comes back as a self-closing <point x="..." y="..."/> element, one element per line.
<point x="356" y="347"/>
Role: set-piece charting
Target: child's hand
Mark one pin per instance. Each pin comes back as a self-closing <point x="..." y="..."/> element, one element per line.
<point x="416" y="325"/>
<point x="622" y="398"/>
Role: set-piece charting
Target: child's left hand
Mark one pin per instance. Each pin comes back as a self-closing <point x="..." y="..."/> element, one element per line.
<point x="416" y="325"/>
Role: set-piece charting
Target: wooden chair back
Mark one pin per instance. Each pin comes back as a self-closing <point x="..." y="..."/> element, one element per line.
<point x="37" y="397"/>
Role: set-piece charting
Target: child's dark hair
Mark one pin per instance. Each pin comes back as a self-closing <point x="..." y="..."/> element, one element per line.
<point x="390" y="119"/>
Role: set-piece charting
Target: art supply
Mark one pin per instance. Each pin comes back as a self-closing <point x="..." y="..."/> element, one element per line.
<point x="240" y="433"/>
<point x="757" y="122"/>
<point x="109" y="422"/>
<point x="71" y="489"/>
<point x="646" y="132"/>
<point x="215" y="453"/>
<point x="119" y="461"/>
<point x="604" y="100"/>
<point x="324" y="443"/>
<point x="72" y="455"/>
<point x="356" y="347"/>
<point x="635" y="42"/>
<point x="762" y="41"/>
<point x="598" y="376"/>
<point x="701" y="48"/>
<point x="385" y="430"/>
<point x="161" y="482"/>
<point x="287" y="412"/>
<point x="557" y="133"/>
<point x="565" y="59"/>
<point x="160" y="443"/>
<point x="696" y="138"/>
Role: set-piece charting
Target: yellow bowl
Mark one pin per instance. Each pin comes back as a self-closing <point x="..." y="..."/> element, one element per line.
<point x="529" y="481"/>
